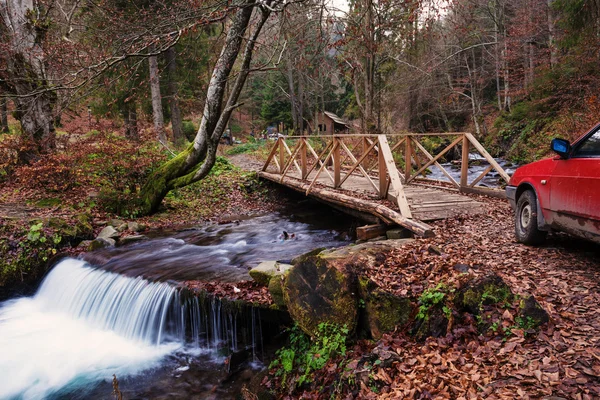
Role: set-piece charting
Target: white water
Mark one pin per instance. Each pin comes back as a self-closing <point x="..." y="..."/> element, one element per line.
<point x="84" y="325"/>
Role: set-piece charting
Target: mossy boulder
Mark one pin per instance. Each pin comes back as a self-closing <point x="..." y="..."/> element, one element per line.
<point x="304" y="256"/>
<point x="276" y="291"/>
<point x="266" y="270"/>
<point x="434" y="323"/>
<point x="317" y="291"/>
<point x="532" y="312"/>
<point x="382" y="311"/>
<point x="486" y="290"/>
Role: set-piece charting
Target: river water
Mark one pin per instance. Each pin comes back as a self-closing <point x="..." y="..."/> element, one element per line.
<point x="122" y="313"/>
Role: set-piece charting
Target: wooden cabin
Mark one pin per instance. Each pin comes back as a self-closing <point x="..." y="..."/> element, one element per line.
<point x="329" y="124"/>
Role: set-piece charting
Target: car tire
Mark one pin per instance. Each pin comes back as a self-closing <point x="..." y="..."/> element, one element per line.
<point x="526" y="221"/>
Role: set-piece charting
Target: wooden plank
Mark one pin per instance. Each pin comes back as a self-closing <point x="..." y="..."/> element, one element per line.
<point x="271" y="155"/>
<point x="336" y="163"/>
<point x="437" y="164"/>
<point x="383" y="181"/>
<point x="281" y="155"/>
<point x="487" y="156"/>
<point x="392" y="171"/>
<point x="486" y="192"/>
<point x="464" y="164"/>
<point x="341" y="199"/>
<point x="370" y="231"/>
<point x="407" y="159"/>
<point x="481" y="176"/>
<point x="321" y="168"/>
<point x="357" y="165"/>
<point x="437" y="157"/>
<point x="292" y="159"/>
<point x="318" y="157"/>
<point x="290" y="153"/>
<point x="303" y="159"/>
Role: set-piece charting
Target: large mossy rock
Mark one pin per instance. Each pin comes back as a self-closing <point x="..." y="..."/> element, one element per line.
<point x="486" y="290"/>
<point x="323" y="287"/>
<point x="382" y="311"/>
<point x="316" y="292"/>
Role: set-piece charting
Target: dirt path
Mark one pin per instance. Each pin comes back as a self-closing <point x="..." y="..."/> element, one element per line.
<point x="246" y="162"/>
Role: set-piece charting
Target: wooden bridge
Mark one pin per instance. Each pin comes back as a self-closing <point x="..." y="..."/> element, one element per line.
<point x="384" y="176"/>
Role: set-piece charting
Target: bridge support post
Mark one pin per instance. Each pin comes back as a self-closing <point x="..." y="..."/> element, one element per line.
<point x="303" y="162"/>
<point x="337" y="163"/>
<point x="382" y="174"/>
<point x="407" y="158"/>
<point x="464" y="164"/>
<point x="281" y="155"/>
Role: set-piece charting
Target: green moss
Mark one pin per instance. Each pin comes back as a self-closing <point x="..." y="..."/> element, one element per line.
<point x="49" y="202"/>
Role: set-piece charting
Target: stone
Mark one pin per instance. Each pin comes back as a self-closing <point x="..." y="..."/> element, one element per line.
<point x="532" y="313"/>
<point x="486" y="290"/>
<point x="84" y="244"/>
<point x="318" y="291"/>
<point x="125" y="240"/>
<point x="122" y="227"/>
<point x="435" y="324"/>
<point x="101" y="243"/>
<point x="462" y="268"/>
<point x="398" y="233"/>
<point x="383" y="311"/>
<point x="304" y="256"/>
<point x="133" y="226"/>
<point x="116" y="222"/>
<point x="266" y="270"/>
<point x="108" y="232"/>
<point x="276" y="291"/>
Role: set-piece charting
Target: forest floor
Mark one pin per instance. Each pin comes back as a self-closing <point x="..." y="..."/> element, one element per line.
<point x="562" y="359"/>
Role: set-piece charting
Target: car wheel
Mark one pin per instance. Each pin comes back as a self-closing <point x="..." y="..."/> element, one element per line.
<point x="526" y="223"/>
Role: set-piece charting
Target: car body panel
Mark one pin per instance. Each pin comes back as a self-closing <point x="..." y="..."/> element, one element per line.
<point x="567" y="191"/>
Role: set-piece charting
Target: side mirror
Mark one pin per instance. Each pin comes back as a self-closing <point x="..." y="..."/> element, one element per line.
<point x="561" y="147"/>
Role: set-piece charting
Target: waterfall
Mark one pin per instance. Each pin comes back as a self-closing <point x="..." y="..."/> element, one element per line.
<point x="84" y="324"/>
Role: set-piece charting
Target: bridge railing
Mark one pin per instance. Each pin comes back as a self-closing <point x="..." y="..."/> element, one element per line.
<point x="387" y="162"/>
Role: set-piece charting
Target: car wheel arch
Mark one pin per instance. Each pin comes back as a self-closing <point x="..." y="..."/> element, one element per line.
<point x="541" y="220"/>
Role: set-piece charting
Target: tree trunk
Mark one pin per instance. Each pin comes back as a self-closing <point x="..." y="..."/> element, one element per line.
<point x="24" y="75"/>
<point x="129" y="112"/>
<point x="195" y="162"/>
<point x="293" y="100"/>
<point x="157" y="113"/>
<point x="4" y="115"/>
<point x="176" y="121"/>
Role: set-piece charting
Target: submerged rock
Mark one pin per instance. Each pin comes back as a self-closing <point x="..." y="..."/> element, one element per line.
<point x="101" y="243"/>
<point x="131" y="239"/>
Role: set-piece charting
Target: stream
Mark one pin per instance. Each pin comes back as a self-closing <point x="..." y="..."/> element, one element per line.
<point x="121" y="311"/>
<point x="477" y="165"/>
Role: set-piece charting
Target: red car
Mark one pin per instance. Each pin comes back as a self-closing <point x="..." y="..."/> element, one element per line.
<point x="560" y="193"/>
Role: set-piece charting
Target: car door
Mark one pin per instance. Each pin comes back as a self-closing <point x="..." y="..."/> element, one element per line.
<point x="575" y="188"/>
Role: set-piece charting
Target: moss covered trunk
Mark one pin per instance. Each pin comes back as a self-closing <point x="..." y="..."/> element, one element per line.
<point x="195" y="162"/>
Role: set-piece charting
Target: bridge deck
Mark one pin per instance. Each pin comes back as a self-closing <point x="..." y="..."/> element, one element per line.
<point x="426" y="203"/>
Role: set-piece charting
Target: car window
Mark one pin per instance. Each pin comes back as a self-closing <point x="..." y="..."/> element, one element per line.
<point x="590" y="147"/>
